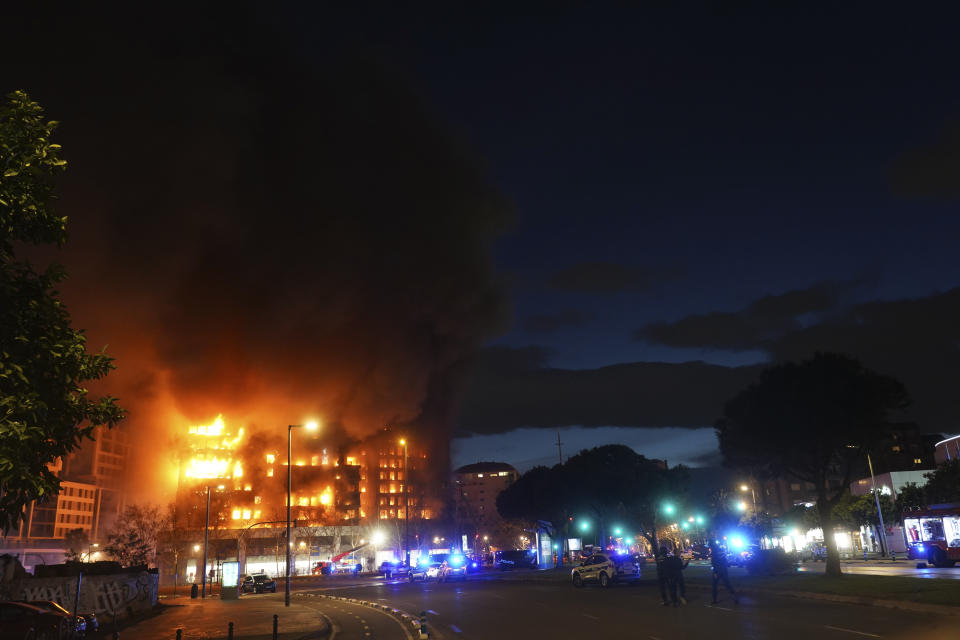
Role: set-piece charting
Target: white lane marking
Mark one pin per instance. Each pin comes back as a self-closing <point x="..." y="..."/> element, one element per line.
<point x="591" y="617"/>
<point x="859" y="633"/>
<point x="433" y="612"/>
<point x="713" y="606"/>
<point x="456" y="628"/>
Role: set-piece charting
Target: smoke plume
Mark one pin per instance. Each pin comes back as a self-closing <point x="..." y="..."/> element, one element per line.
<point x="259" y="232"/>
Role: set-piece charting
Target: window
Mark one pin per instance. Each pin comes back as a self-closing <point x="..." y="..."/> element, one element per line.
<point x="918" y="461"/>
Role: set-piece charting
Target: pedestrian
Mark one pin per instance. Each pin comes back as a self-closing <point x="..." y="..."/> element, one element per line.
<point x="718" y="561"/>
<point x="660" y="557"/>
<point x="673" y="566"/>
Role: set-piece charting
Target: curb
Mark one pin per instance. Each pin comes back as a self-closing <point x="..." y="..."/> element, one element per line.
<point x="417" y="627"/>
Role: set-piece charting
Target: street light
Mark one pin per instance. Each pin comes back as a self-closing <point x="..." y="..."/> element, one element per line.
<point x="312" y="426"/>
<point x="745" y="488"/>
<point x="741" y="506"/>
<point x="584" y="526"/>
<point x="668" y="508"/>
<point x="617" y="531"/>
<point x="405" y="485"/>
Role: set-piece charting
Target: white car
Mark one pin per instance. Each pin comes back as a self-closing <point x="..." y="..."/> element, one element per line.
<point x="605" y="568"/>
<point x="425" y="571"/>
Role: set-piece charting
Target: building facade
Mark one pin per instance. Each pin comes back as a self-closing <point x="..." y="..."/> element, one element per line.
<point x="477" y="487"/>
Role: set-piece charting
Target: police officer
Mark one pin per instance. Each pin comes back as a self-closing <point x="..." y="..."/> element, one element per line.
<point x="718" y="560"/>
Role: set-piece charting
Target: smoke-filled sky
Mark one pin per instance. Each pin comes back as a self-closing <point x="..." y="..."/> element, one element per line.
<point x="602" y="222"/>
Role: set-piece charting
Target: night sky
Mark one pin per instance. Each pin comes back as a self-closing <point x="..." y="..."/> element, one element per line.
<point x="659" y="201"/>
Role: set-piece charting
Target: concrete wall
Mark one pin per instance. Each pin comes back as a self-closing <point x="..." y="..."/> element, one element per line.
<point x="115" y="595"/>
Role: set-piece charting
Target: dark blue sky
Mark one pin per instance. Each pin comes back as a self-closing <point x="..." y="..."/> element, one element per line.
<point x="693" y="191"/>
<point x="733" y="156"/>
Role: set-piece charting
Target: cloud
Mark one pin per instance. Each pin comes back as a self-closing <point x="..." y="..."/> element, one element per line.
<point x="611" y="277"/>
<point x="916" y="340"/>
<point x="547" y="323"/>
<point x="931" y="170"/>
<point x="753" y="326"/>
<point x="511" y="391"/>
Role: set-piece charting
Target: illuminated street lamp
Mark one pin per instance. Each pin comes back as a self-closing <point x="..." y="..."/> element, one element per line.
<point x="668" y="509"/>
<point x="745" y="488"/>
<point x="741" y="506"/>
<point x="312" y="426"/>
<point x="405" y="485"/>
<point x="617" y="531"/>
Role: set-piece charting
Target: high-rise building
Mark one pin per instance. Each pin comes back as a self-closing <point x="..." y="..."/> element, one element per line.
<point x="477" y="487"/>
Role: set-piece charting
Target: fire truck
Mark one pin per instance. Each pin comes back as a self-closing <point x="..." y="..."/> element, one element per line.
<point x="934" y="535"/>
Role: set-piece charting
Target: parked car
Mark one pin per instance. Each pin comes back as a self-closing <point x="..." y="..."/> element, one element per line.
<point x="425" y="570"/>
<point x="516" y="559"/>
<point x="85" y="623"/>
<point x="22" y="620"/>
<point x="258" y="583"/>
<point x="391" y="569"/>
<point x="606" y="568"/>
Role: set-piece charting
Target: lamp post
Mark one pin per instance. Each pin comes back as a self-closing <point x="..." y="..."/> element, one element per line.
<point x="206" y="541"/>
<point x="406" y="504"/>
<point x="313" y="427"/>
<point x="753" y="493"/>
<point x="876" y="497"/>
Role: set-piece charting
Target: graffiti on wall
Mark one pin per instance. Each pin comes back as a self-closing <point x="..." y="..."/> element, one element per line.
<point x="110" y="595"/>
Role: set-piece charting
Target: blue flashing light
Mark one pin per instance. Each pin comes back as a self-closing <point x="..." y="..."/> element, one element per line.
<point x="424" y="562"/>
<point x="456" y="561"/>
<point x="736" y="542"/>
<point x="473" y="565"/>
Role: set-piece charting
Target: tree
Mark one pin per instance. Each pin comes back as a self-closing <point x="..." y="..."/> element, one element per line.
<point x="910" y="497"/>
<point x="45" y="411"/>
<point x="812" y="421"/>
<point x="603" y="484"/>
<point x="943" y="483"/>
<point x="133" y="540"/>
<point x="78" y="545"/>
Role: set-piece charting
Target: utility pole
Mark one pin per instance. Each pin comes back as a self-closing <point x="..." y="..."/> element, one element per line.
<point x="876" y="497"/>
<point x="406" y="505"/>
<point x="206" y="540"/>
<point x="559" y="447"/>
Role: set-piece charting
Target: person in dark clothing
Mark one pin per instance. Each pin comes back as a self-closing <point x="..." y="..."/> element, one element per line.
<point x="673" y="567"/>
<point x="718" y="560"/>
<point x="661" y="556"/>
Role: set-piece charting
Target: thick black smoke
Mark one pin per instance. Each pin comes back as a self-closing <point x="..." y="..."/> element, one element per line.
<point x="261" y="232"/>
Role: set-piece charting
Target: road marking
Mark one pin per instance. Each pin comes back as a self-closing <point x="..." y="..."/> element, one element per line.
<point x="591" y="617"/>
<point x="456" y="628"/>
<point x="859" y="633"/>
<point x="713" y="606"/>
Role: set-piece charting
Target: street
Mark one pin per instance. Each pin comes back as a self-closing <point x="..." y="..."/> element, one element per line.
<point x="488" y="607"/>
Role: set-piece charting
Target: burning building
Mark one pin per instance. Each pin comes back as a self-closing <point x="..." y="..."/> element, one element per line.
<point x="342" y="492"/>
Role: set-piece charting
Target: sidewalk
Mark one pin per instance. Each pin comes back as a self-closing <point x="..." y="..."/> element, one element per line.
<point x="252" y="618"/>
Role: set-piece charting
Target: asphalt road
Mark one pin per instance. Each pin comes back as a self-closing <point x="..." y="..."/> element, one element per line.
<point x="357" y="622"/>
<point x="905" y="568"/>
<point x="479" y="609"/>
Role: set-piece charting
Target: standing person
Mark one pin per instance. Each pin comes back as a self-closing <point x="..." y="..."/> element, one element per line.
<point x="718" y="560"/>
<point x="673" y="567"/>
<point x="660" y="557"/>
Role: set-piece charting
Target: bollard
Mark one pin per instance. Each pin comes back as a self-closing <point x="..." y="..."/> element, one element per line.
<point x="423" y="624"/>
<point x="179" y="634"/>
<point x="893" y="555"/>
<point x="229" y="631"/>
<point x="276" y="620"/>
